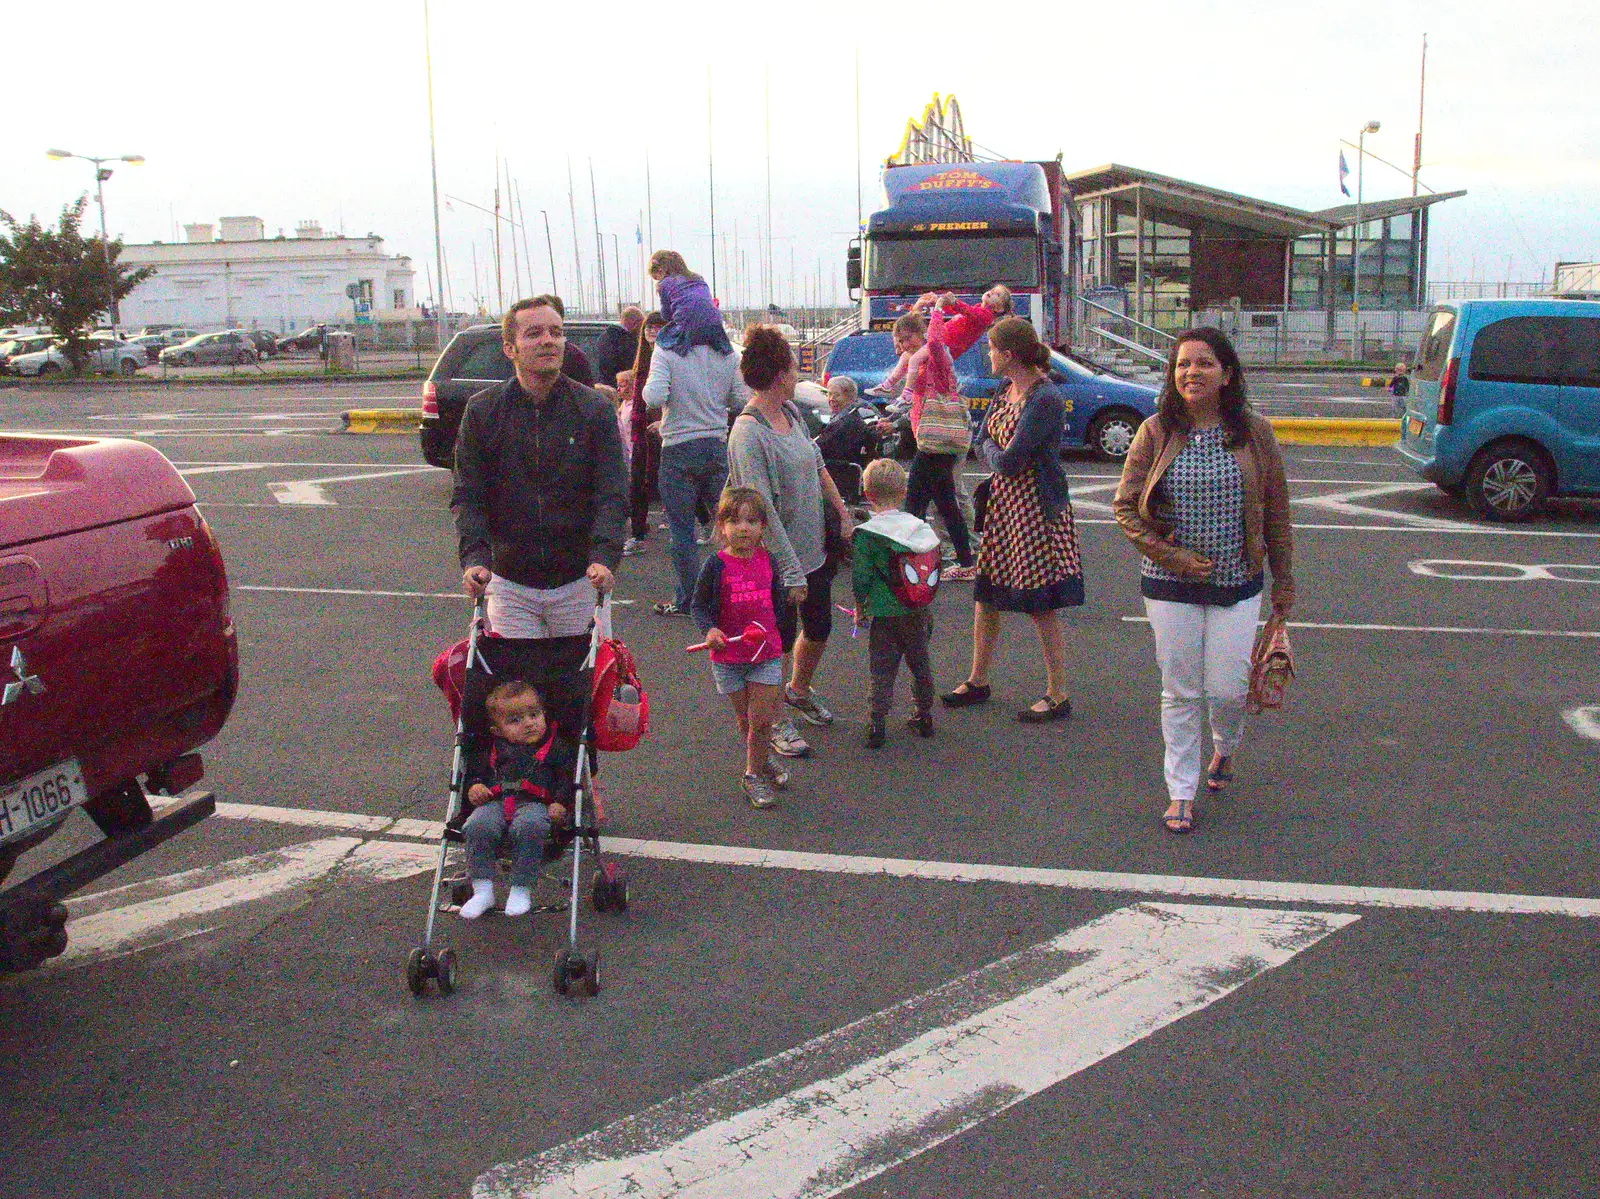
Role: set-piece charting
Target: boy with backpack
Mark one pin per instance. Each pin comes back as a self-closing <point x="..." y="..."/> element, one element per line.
<point x="895" y="574"/>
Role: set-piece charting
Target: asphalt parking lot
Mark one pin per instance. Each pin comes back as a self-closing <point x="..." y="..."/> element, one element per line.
<point x="1369" y="973"/>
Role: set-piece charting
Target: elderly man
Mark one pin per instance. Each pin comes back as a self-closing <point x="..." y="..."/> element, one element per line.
<point x="618" y="343"/>
<point x="851" y="434"/>
<point x="541" y="492"/>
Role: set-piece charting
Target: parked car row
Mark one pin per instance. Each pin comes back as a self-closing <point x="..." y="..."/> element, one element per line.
<point x="106" y="357"/>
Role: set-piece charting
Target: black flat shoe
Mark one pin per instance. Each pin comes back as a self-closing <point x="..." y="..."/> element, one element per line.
<point x="967" y="695"/>
<point x="1056" y="711"/>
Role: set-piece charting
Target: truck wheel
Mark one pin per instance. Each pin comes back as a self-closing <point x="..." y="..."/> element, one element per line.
<point x="48" y="369"/>
<point x="187" y="360"/>
<point x="1111" y="433"/>
<point x="128" y="368"/>
<point x="1509" y="481"/>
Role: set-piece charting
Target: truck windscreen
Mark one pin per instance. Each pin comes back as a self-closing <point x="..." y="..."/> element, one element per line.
<point x="957" y="263"/>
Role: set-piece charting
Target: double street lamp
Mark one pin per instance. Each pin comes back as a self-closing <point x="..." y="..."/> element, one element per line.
<point x="1355" y="241"/>
<point x="101" y="174"/>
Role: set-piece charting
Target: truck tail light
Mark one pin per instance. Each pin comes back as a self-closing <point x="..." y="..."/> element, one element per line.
<point x="219" y="570"/>
<point x="1447" y="393"/>
<point x="430" y="399"/>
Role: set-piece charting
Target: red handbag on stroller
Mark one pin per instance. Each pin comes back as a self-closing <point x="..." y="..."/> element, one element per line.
<point x="621" y="710"/>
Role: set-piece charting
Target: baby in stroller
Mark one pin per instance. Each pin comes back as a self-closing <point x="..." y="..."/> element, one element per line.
<point x="519" y="785"/>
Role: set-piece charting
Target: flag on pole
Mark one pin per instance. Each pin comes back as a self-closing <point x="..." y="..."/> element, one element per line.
<point x="638" y="236"/>
<point x="1344" y="173"/>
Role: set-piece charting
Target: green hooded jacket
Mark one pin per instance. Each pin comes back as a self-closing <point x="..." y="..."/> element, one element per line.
<point x="872" y="549"/>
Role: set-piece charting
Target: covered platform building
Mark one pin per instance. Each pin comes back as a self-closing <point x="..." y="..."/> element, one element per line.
<point x="1165" y="251"/>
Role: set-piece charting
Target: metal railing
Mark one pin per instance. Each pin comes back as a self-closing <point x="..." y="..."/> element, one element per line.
<point x="1116" y="330"/>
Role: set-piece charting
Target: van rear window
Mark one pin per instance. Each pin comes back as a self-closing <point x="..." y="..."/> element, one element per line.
<point x="1519" y="349"/>
<point x="1583" y="352"/>
<point x="1435" y="347"/>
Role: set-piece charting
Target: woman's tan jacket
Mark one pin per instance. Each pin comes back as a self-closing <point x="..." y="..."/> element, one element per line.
<point x="1267" y="536"/>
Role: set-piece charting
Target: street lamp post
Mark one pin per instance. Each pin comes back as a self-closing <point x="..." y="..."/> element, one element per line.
<point x="1355" y="240"/>
<point x="101" y="174"/>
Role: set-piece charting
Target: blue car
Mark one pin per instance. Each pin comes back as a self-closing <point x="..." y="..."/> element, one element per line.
<point x="1504" y="405"/>
<point x="1103" y="414"/>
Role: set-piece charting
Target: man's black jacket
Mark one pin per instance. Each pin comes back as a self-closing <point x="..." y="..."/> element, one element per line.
<point x="849" y="438"/>
<point x="540" y="489"/>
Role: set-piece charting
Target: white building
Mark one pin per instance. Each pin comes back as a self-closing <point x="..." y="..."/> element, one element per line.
<point x="243" y="279"/>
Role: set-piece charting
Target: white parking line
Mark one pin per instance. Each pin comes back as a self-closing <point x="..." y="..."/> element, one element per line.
<point x="844" y="1107"/>
<point x="455" y="595"/>
<point x="1415" y="628"/>
<point x="1584" y="721"/>
<point x="310" y="491"/>
<point x="1185" y="886"/>
<point x="146" y="914"/>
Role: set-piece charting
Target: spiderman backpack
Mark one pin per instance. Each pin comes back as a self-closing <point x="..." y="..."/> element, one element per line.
<point x="914" y="577"/>
<point x="621" y="716"/>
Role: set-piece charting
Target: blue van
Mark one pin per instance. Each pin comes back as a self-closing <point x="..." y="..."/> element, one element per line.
<point x="1106" y="411"/>
<point x="1504" y="407"/>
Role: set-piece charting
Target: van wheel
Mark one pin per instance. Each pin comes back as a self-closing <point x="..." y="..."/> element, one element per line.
<point x="1509" y="481"/>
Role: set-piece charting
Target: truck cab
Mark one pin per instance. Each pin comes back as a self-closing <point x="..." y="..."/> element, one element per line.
<point x="963" y="228"/>
<point x="118" y="657"/>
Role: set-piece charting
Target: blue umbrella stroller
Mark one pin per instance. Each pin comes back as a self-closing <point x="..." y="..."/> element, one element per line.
<point x="590" y="685"/>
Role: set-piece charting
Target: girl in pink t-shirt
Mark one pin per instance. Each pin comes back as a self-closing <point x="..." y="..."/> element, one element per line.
<point x="736" y="602"/>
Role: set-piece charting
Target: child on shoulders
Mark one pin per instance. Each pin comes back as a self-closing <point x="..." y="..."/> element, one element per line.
<point x="895" y="571"/>
<point x="735" y="603"/>
<point x="692" y="316"/>
<point x="519" y="785"/>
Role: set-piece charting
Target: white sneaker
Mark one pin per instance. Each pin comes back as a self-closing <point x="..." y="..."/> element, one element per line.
<point x="519" y="900"/>
<point x="482" y="899"/>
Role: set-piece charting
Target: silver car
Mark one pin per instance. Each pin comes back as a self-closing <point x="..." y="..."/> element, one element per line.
<point x="231" y="345"/>
<point x="105" y="357"/>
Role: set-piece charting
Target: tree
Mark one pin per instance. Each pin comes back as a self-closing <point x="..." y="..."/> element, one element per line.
<point x="57" y="277"/>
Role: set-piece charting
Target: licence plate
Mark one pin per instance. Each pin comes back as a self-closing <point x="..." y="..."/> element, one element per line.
<point x="41" y="797"/>
<point x="1416" y="426"/>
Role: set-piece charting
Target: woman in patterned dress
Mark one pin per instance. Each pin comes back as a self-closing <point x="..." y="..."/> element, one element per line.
<point x="1203" y="496"/>
<point x="1029" y="560"/>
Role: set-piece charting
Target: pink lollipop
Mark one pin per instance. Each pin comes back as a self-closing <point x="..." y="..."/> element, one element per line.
<point x="754" y="633"/>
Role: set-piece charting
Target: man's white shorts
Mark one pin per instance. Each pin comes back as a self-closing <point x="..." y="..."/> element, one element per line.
<point x="529" y="612"/>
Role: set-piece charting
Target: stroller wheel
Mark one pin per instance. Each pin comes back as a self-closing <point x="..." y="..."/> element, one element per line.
<point x="563" y="972"/>
<point x="619" y="889"/>
<point x="602" y="897"/>
<point x="445" y="971"/>
<point x="460" y="891"/>
<point x="589" y="984"/>
<point x="417" y="970"/>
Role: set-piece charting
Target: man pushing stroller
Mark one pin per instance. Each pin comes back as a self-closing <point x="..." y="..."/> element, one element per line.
<point x="540" y="500"/>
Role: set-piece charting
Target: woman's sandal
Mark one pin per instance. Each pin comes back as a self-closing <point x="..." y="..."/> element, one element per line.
<point x="967" y="695"/>
<point x="1053" y="711"/>
<point x="1183" y="821"/>
<point x="1219" y="774"/>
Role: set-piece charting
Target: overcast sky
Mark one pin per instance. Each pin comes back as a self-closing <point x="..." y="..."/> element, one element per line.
<point x="291" y="112"/>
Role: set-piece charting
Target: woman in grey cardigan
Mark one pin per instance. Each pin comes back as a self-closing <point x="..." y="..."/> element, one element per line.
<point x="770" y="452"/>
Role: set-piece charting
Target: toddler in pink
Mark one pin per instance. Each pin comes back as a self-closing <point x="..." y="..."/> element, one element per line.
<point x="735" y="602"/>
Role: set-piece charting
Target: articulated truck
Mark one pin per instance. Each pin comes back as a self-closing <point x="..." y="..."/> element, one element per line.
<point x="963" y="227"/>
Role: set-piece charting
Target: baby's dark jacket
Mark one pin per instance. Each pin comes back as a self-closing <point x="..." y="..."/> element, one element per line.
<point x="519" y="774"/>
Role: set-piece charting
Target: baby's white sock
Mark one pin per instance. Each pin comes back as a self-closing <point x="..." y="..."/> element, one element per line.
<point x="518" y="901"/>
<point x="482" y="899"/>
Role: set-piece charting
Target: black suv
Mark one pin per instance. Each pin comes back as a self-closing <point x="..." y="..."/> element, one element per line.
<point x="471" y="362"/>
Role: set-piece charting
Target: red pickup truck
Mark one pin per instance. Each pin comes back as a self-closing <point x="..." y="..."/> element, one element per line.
<point x="117" y="660"/>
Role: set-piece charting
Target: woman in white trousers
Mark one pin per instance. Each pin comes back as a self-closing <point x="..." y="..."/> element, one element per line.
<point x="1204" y="498"/>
